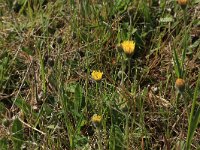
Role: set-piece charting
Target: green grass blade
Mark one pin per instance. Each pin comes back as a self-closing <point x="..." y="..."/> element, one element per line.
<point x="194" y="117"/>
<point x="25" y="107"/>
<point x="17" y="137"/>
<point x="177" y="64"/>
<point x="3" y="144"/>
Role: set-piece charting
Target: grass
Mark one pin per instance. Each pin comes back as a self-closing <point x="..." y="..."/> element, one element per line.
<point x="48" y="96"/>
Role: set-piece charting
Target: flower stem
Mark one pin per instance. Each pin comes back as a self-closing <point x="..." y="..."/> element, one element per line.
<point x="123" y="69"/>
<point x="185" y="42"/>
<point x="129" y="67"/>
<point x="100" y="147"/>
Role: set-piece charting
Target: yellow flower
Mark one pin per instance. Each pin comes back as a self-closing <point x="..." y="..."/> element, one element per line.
<point x="96" y="120"/>
<point x="180" y="84"/>
<point x="97" y="75"/>
<point x="128" y="47"/>
<point x="183" y="3"/>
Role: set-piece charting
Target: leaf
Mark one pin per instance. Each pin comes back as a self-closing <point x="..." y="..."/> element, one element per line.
<point x="30" y="10"/>
<point x="197" y="1"/>
<point x="17" y="134"/>
<point x="28" y="50"/>
<point x="25" y="107"/>
<point x="70" y="87"/>
<point x="195" y="44"/>
<point x="78" y="97"/>
<point x="3" y="144"/>
<point x="177" y="64"/>
<point x="116" y="138"/>
<point x="2" y="108"/>
<point x="51" y="126"/>
<point x="166" y="19"/>
<point x="120" y="6"/>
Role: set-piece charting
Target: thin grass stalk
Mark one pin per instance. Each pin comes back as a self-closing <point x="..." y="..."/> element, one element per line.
<point x="86" y="82"/>
<point x="185" y="42"/>
<point x="42" y="70"/>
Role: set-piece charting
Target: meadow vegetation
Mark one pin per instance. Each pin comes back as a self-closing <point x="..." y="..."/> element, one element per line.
<point x="100" y="74"/>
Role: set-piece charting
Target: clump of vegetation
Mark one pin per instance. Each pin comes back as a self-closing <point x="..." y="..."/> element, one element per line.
<point x="92" y="74"/>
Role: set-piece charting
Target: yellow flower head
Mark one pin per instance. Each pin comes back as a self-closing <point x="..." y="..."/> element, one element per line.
<point x="96" y="120"/>
<point x="183" y="3"/>
<point x="128" y="47"/>
<point x="97" y="75"/>
<point x="180" y="84"/>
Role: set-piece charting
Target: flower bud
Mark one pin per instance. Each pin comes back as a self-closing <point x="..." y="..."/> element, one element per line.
<point x="182" y="3"/>
<point x="180" y="84"/>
